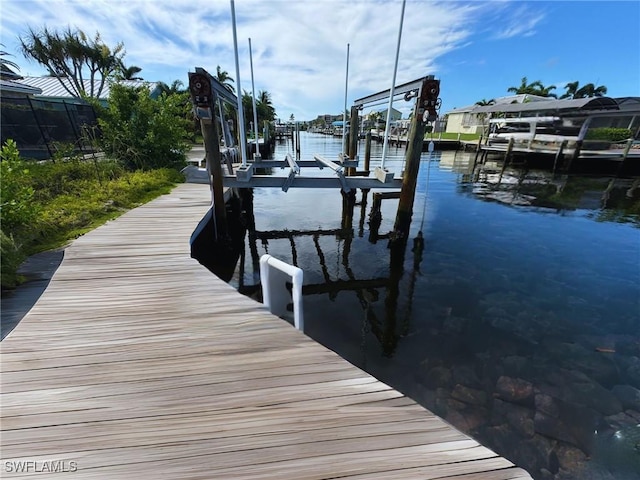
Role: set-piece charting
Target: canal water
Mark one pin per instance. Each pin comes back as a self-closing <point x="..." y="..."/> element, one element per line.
<point x="519" y="322"/>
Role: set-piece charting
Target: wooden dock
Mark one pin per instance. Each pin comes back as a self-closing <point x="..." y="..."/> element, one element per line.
<point x="138" y="363"/>
<point x="616" y="155"/>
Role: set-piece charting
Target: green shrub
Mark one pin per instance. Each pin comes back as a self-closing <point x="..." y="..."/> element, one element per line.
<point x="12" y="257"/>
<point x="52" y="202"/>
<point x="17" y="209"/>
<point x="609" y="134"/>
<point x="145" y="133"/>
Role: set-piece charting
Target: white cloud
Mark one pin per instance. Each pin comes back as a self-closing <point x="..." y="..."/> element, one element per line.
<point x="520" y="23"/>
<point x="299" y="48"/>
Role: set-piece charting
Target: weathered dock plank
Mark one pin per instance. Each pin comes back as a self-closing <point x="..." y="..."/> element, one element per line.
<point x="137" y="362"/>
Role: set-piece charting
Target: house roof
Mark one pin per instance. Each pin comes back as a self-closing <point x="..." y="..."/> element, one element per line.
<point x="628" y="103"/>
<point x="509" y="99"/>
<point x="591" y="103"/>
<point x="7" y="74"/>
<point x="51" y="86"/>
<point x="16" y="87"/>
<point x="393" y="110"/>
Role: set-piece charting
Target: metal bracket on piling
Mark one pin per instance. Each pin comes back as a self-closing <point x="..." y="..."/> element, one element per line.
<point x="323" y="162"/>
<point x="346" y="161"/>
<point x="383" y="175"/>
<point x="244" y="172"/>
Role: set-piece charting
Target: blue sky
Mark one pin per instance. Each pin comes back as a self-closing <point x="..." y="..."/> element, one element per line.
<point x="478" y="49"/>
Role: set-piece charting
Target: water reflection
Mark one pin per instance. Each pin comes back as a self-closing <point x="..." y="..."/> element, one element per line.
<point x="609" y="198"/>
<point x="515" y="316"/>
<point x="368" y="290"/>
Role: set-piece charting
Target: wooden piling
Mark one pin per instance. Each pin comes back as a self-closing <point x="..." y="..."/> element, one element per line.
<point x="576" y="154"/>
<point x="627" y="148"/>
<point x="478" y="150"/>
<point x="607" y="193"/>
<point x="367" y="152"/>
<point x="213" y="157"/>
<point x="375" y="217"/>
<point x="505" y="160"/>
<point x="353" y="138"/>
<point x="348" y="204"/>
<point x="428" y="96"/>
<point x="363" y="211"/>
<point x="507" y="154"/>
<point x="625" y="154"/>
<point x="559" y="155"/>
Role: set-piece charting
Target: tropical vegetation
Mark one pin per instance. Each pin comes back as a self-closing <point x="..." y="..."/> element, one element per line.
<point x="176" y="87"/>
<point x="46" y="204"/>
<point x="609" y="134"/>
<point x="573" y="90"/>
<point x="73" y="56"/>
<point x="533" y="88"/>
<point x="264" y="109"/>
<point x="144" y="133"/>
<point x="5" y="63"/>
<point x="223" y="77"/>
<point x="144" y="141"/>
<point x="128" y="73"/>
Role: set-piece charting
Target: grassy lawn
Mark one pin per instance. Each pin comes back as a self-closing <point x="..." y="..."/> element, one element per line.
<point x="454" y="136"/>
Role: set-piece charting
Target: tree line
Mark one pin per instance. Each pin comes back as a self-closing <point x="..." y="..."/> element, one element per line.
<point x="83" y="65"/>
<point x="573" y="90"/>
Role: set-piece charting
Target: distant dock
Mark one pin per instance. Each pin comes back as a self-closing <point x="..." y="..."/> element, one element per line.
<point x="137" y="362"/>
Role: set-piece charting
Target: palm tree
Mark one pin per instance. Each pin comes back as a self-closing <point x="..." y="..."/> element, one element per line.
<point x="525" y="87"/>
<point x="73" y="58"/>
<point x="264" y="97"/>
<point x="533" y="88"/>
<point x="375" y="118"/>
<point x="6" y="66"/>
<point x="223" y="77"/>
<point x="590" y="90"/>
<point x="129" y="73"/>
<point x="482" y="116"/>
<point x="265" y="106"/>
<point x="546" y="91"/>
<point x="175" y="88"/>
<point x="571" y="89"/>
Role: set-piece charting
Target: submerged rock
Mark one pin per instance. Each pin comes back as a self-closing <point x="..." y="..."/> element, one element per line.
<point x="519" y="417"/>
<point x="573" y="424"/>
<point x="514" y="389"/>
<point x="469" y="395"/>
<point x="629" y="396"/>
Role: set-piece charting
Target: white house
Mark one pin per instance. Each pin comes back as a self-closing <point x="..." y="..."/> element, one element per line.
<point x="471" y="120"/>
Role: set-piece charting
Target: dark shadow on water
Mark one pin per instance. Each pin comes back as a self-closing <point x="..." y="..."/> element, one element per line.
<point x="220" y="253"/>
